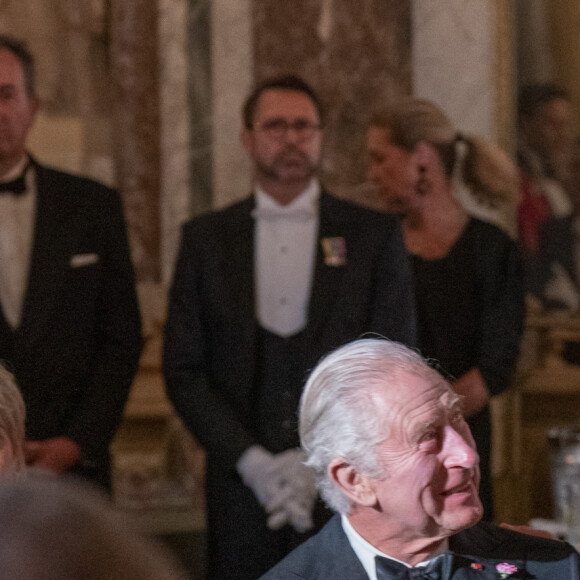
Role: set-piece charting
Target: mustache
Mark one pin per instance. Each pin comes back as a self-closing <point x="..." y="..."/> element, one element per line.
<point x="292" y="149"/>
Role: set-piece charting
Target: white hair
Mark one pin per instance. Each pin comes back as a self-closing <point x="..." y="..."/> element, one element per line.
<point x="338" y="417"/>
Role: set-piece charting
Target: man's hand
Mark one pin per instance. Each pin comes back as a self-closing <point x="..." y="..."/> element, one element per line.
<point x="282" y="484"/>
<point x="295" y="504"/>
<point x="58" y="454"/>
<point x="261" y="473"/>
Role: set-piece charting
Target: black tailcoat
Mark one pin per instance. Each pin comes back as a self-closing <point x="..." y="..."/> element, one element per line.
<point x="76" y="350"/>
<point x="211" y="335"/>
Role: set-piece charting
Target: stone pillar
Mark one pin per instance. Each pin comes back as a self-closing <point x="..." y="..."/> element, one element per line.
<point x="176" y="129"/>
<point x="456" y="42"/>
<point x="232" y="75"/>
<point x="134" y="71"/>
<point x="462" y="61"/>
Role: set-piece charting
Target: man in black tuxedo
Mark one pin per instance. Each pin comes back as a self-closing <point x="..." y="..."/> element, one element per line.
<point x="262" y="289"/>
<point x="391" y="452"/>
<point x="69" y="325"/>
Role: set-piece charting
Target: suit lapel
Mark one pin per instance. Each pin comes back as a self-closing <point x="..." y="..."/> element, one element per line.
<point x="327" y="279"/>
<point x="338" y="559"/>
<point x="48" y="260"/>
<point x="239" y="254"/>
<point x="474" y="568"/>
<point x="468" y="565"/>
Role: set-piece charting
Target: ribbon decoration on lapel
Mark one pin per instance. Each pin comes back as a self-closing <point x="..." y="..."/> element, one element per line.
<point x="334" y="251"/>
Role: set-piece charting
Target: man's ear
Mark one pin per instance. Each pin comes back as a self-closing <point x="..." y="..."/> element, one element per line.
<point x="246" y="138"/>
<point x="355" y="486"/>
<point x="34" y="105"/>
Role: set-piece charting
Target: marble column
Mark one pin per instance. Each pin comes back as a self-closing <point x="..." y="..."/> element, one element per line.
<point x="232" y="78"/>
<point x="134" y="71"/>
<point x="179" y="146"/>
<point x="454" y="57"/>
<point x="462" y="61"/>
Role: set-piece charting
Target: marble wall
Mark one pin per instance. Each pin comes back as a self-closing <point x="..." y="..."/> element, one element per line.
<point x="454" y="61"/>
<point x="462" y="60"/>
<point x="179" y="155"/>
<point x="135" y="105"/>
<point x="70" y="44"/>
<point x="357" y="54"/>
<point x="232" y="75"/>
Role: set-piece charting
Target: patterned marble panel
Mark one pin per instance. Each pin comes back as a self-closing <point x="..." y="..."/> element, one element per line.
<point x="356" y="54"/>
<point x="454" y="59"/>
<point x="462" y="53"/>
<point x="135" y="98"/>
<point x="175" y="119"/>
<point x="200" y="102"/>
<point x="232" y="80"/>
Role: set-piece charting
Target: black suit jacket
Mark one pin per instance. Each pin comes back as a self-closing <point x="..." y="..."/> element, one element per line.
<point x="476" y="552"/>
<point x="76" y="350"/>
<point x="210" y="335"/>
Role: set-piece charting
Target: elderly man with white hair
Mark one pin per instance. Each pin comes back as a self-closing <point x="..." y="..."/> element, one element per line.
<point x="393" y="455"/>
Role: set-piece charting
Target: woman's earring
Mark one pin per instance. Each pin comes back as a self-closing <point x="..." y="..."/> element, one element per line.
<point x="422" y="184"/>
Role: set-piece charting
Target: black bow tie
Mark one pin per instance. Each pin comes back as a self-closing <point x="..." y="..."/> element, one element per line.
<point x="438" y="569"/>
<point x="16" y="186"/>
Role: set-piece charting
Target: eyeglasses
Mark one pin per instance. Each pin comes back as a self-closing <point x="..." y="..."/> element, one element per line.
<point x="278" y="128"/>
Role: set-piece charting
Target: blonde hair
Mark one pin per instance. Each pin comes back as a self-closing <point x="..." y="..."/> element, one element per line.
<point x="483" y="167"/>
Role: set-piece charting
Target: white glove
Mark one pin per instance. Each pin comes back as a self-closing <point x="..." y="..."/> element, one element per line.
<point x="283" y="485"/>
<point x="561" y="289"/>
<point x="261" y="472"/>
<point x="296" y="501"/>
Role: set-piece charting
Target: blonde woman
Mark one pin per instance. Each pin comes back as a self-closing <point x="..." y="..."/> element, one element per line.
<point x="467" y="272"/>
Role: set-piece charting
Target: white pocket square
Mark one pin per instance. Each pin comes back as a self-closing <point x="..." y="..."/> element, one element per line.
<point x="79" y="260"/>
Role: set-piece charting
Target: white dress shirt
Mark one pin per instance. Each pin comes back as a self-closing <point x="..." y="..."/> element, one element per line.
<point x="17" y="214"/>
<point x="366" y="552"/>
<point x="284" y="256"/>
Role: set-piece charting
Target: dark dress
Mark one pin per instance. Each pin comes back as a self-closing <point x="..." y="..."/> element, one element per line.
<point x="470" y="307"/>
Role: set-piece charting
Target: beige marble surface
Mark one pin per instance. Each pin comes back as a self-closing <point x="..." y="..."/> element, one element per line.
<point x="232" y="78"/>
<point x="457" y="47"/>
<point x="454" y="60"/>
<point x="175" y="133"/>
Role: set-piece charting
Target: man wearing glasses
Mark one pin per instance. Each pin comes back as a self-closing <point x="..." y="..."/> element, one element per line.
<point x="261" y="291"/>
